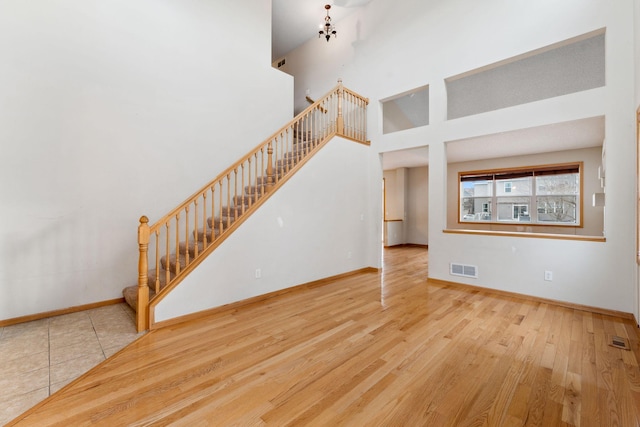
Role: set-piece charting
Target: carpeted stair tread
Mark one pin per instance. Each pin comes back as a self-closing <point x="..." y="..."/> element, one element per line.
<point x="211" y="235"/>
<point x="163" y="278"/>
<point x="261" y="180"/>
<point x="217" y="222"/>
<point x="173" y="262"/>
<point x="301" y="135"/>
<point x="130" y="293"/>
<point x="232" y="211"/>
<point x="297" y="154"/>
<point x="289" y="163"/>
<point x="246" y="199"/>
<point x="192" y="246"/>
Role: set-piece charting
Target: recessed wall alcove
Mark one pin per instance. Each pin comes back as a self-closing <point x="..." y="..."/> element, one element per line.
<point x="406" y="110"/>
<point x="563" y="68"/>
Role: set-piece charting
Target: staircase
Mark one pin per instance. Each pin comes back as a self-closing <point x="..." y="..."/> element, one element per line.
<point x="303" y="144"/>
<point x="172" y="247"/>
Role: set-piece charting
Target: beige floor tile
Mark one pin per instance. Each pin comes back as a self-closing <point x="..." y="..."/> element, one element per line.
<point x="129" y="311"/>
<point x="69" y="319"/>
<point x="106" y="311"/>
<point x="16" y="383"/>
<point x="18" y="347"/>
<point x="35" y="327"/>
<point x="57" y="386"/>
<point x="83" y="325"/>
<point x="116" y="339"/>
<point x="30" y="336"/>
<point x="9" y="409"/>
<point x="45" y="355"/>
<point x="89" y="347"/>
<point x="117" y="326"/>
<point x="73" y="337"/>
<point x="73" y="368"/>
<point x="27" y="363"/>
<point x="110" y="351"/>
<point x="118" y="318"/>
<point x="73" y="321"/>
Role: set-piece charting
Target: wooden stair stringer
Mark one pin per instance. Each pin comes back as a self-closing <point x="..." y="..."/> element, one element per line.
<point x="153" y="302"/>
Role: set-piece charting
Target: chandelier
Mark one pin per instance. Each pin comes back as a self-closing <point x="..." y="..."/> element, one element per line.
<point x="327" y="29"/>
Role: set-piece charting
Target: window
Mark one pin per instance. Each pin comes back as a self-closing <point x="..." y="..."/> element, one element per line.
<point x="535" y="195"/>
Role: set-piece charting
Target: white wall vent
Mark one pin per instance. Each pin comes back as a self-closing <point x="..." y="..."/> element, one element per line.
<point x="463" y="270"/>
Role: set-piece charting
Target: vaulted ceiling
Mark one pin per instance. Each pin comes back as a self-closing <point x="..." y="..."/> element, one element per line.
<point x="296" y="21"/>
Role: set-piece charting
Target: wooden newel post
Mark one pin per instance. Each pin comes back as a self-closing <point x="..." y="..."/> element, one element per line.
<point x="340" y="119"/>
<point x="270" y="173"/>
<point x="142" y="322"/>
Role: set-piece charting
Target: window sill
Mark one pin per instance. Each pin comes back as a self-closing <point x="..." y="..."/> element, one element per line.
<point x="526" y="234"/>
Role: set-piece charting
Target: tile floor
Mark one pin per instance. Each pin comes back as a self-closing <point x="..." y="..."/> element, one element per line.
<point x="40" y="357"/>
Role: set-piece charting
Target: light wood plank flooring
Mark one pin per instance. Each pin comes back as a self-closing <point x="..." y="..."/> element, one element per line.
<point x="388" y="349"/>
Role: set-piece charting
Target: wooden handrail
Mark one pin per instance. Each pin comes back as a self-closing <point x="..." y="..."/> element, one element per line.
<point x="311" y="101"/>
<point x="181" y="239"/>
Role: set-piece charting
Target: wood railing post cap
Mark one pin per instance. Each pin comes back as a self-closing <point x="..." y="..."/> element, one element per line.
<point x="144" y="219"/>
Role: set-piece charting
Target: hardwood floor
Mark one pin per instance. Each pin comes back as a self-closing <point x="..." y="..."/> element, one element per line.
<point x="385" y="349"/>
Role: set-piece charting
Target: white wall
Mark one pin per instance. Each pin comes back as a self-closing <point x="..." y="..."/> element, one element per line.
<point x="395" y="182"/>
<point x="417" y="227"/>
<point x="407" y="206"/>
<point x="390" y="47"/>
<point x="636" y="14"/>
<point x="316" y="226"/>
<point x="111" y="110"/>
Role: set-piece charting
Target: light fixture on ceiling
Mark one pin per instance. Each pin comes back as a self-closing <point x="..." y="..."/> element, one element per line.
<point x="327" y="29"/>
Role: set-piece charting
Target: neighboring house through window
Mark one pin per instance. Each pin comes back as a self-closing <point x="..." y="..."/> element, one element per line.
<point x="554" y="192"/>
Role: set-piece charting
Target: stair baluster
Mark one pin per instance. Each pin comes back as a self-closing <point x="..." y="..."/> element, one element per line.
<point x="270" y="182"/>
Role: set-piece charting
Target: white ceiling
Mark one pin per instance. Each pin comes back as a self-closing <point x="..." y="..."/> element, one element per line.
<point x="571" y="135"/>
<point x="296" y="21"/>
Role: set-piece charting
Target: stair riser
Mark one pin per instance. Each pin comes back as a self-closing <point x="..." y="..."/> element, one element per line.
<point x="217" y="222"/>
<point x="232" y="211"/>
<point x="297" y="155"/>
<point x="172" y="264"/>
<point x="289" y="163"/>
<point x="192" y="247"/>
<point x="201" y="234"/>
<point x="247" y="199"/>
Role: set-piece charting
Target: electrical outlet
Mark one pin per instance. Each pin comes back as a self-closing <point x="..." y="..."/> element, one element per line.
<point x="258" y="273"/>
<point x="349" y="255"/>
<point x="548" y="275"/>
